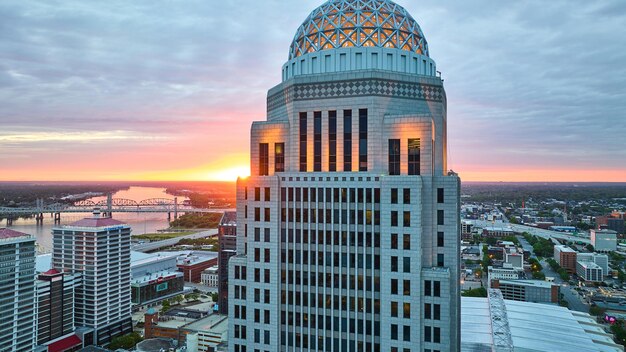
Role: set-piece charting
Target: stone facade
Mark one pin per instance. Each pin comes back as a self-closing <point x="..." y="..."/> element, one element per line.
<point x="348" y="229"/>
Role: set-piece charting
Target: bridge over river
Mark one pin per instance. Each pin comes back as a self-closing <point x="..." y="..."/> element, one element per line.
<point x="108" y="206"/>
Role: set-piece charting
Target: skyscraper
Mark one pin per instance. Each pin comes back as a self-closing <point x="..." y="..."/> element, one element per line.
<point x="227" y="239"/>
<point x="99" y="249"/>
<point x="349" y="225"/>
<point x="17" y="291"/>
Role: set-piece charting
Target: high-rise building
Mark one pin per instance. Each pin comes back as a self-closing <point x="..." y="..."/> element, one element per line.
<point x="17" y="291"/>
<point x="349" y="226"/>
<point x="99" y="249"/>
<point x="227" y="239"/>
<point x="55" y="308"/>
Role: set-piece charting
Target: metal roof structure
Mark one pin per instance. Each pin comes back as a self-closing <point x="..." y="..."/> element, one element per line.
<point x="487" y="324"/>
<point x="358" y="23"/>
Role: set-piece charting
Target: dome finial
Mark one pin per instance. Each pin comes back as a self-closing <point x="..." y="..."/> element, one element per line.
<point x="358" y="23"/>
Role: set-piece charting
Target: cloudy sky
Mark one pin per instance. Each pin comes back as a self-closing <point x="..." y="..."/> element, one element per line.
<point x="121" y="89"/>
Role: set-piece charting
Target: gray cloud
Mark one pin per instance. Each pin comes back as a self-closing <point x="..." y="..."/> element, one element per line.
<point x="532" y="83"/>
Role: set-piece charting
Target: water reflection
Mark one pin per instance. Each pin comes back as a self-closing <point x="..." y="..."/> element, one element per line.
<point x="141" y="222"/>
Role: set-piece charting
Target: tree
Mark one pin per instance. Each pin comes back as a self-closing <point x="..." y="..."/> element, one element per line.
<point x="126" y="342"/>
<point x="538" y="275"/>
<point x="192" y="297"/>
<point x="475" y="292"/>
<point x="214" y="297"/>
<point x="590" y="248"/>
<point x="178" y="299"/>
<point x="165" y="306"/>
<point x="597" y="311"/>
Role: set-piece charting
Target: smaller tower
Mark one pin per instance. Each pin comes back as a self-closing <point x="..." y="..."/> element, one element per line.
<point x="150" y="319"/>
<point x="99" y="249"/>
<point x="17" y="263"/>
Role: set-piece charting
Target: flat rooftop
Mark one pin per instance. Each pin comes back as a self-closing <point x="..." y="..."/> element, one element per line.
<point x="168" y="274"/>
<point x="533" y="327"/>
<point x="536" y="283"/>
<point x="139" y="258"/>
<point x="194" y="257"/>
<point x="565" y="249"/>
<point x="214" y="323"/>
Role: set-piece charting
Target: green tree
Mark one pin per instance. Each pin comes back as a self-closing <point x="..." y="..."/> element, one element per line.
<point x="192" y="297"/>
<point x="597" y="311"/>
<point x="178" y="299"/>
<point x="619" y="332"/>
<point x="165" y="306"/>
<point x="214" y="297"/>
<point x="538" y="275"/>
<point x="590" y="247"/>
<point x="491" y="241"/>
<point x="475" y="292"/>
<point x="126" y="342"/>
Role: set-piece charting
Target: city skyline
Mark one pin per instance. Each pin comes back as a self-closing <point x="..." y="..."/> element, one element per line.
<point x="536" y="87"/>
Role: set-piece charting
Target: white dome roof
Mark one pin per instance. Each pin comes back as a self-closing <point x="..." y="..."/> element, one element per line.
<point x="358" y="23"/>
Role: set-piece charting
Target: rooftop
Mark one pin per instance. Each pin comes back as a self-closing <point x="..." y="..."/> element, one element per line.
<point x="537" y="283"/>
<point x="229" y="218"/>
<point x="564" y="248"/>
<point x="194" y="257"/>
<point x="155" y="345"/>
<point x="533" y="327"/>
<point x="95" y="222"/>
<point x="214" y="323"/>
<point x="588" y="265"/>
<point x="140" y="258"/>
<point x="8" y="234"/>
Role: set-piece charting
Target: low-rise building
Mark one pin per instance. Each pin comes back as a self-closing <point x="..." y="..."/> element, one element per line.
<point x="535" y="291"/>
<point x="192" y="263"/>
<point x="515" y="259"/>
<point x="487" y="323"/>
<point x="602" y="260"/>
<point x="566" y="258"/>
<point x="210" y="332"/>
<point x="589" y="271"/>
<point x="155" y="277"/>
<point x="210" y="276"/>
<point x="604" y="240"/>
<point x="507" y="272"/>
<point x="498" y="231"/>
<point x="466" y="229"/>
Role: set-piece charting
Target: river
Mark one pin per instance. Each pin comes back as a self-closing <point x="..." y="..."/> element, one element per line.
<point x="141" y="222"/>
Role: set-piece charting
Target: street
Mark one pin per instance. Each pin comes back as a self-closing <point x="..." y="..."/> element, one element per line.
<point x="146" y="247"/>
<point x="569" y="294"/>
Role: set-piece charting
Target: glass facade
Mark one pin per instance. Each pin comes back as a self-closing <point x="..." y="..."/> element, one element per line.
<point x="394" y="157"/>
<point x="347" y="140"/>
<point x="317" y="141"/>
<point x="414" y="156"/>
<point x="279" y="157"/>
<point x="264" y="159"/>
<point x="332" y="141"/>
<point x="303" y="141"/>
<point x="362" y="139"/>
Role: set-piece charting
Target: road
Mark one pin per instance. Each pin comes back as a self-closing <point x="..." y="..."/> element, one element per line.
<point x="547" y="234"/>
<point x="151" y="246"/>
<point x="569" y="294"/>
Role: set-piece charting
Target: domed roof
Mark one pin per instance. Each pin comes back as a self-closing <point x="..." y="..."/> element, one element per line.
<point x="358" y="23"/>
